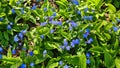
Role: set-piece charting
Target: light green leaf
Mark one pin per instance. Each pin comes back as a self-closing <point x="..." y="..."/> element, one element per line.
<point x="61" y="4"/>
<point x="53" y="65"/>
<point x="53" y="62"/>
<point x="17" y="18"/>
<point x="79" y="60"/>
<point x="32" y="19"/>
<point x="96" y="49"/>
<point x="117" y="62"/>
<point x="111" y="8"/>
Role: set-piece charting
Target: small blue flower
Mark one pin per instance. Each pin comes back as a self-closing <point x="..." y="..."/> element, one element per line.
<point x="65" y="43"/>
<point x="45" y="9"/>
<point x="54" y="22"/>
<point x="60" y="63"/>
<point x="52" y="31"/>
<point x="76" y="41"/>
<point x="90" y="41"/>
<point x="42" y="36"/>
<point x="67" y="21"/>
<point x="0" y="56"/>
<point x="16" y="39"/>
<point x="78" y="12"/>
<point x="1" y="19"/>
<point x="44" y="53"/>
<point x="66" y="66"/>
<point x="115" y="29"/>
<point x="88" y="55"/>
<point x="1" y="49"/>
<point x="31" y="53"/>
<point x="23" y="31"/>
<point x="54" y="14"/>
<point x="9" y="27"/>
<point x="32" y="64"/>
<point x="90" y="18"/>
<point x="85" y="35"/>
<point x="93" y="11"/>
<point x="62" y="47"/>
<point x="43" y="24"/>
<point x="34" y="7"/>
<point x="20" y="35"/>
<point x="51" y="18"/>
<point x="85" y="17"/>
<point x="86" y="9"/>
<point x="88" y="30"/>
<point x="59" y="23"/>
<point x="11" y="23"/>
<point x="22" y="10"/>
<point x="13" y="51"/>
<point x="18" y="2"/>
<point x="75" y="2"/>
<point x="24" y="49"/>
<point x="88" y="61"/>
<point x="73" y="24"/>
<point x="68" y="48"/>
<point x="70" y="28"/>
<point x="118" y="20"/>
<point x="23" y="66"/>
<point x="72" y="44"/>
<point x="13" y="11"/>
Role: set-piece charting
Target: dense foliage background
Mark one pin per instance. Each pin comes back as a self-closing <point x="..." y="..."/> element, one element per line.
<point x="59" y="34"/>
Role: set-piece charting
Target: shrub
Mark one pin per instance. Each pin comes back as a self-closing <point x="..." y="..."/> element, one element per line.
<point x="63" y="34"/>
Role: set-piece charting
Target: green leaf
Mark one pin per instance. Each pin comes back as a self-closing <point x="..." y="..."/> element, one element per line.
<point x="100" y="36"/>
<point x="1" y="37"/>
<point x="82" y="61"/>
<point x="32" y="19"/>
<point x="98" y="3"/>
<point x="6" y="36"/>
<point x="17" y="18"/>
<point x="111" y="8"/>
<point x="107" y="35"/>
<point x="116" y="45"/>
<point x="92" y="62"/>
<point x="108" y="26"/>
<point x="12" y="60"/>
<point x="77" y="60"/>
<point x="96" y="49"/>
<point x="53" y="65"/>
<point x="108" y="59"/>
<point x="4" y="42"/>
<point x="99" y="25"/>
<point x="61" y="4"/>
<point x="52" y="45"/>
<point x="66" y="35"/>
<point x="117" y="62"/>
<point x="39" y="59"/>
<point x="9" y="54"/>
<point x="116" y="3"/>
<point x="11" y="2"/>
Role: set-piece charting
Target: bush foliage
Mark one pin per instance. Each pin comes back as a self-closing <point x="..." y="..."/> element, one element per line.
<point x="59" y="34"/>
